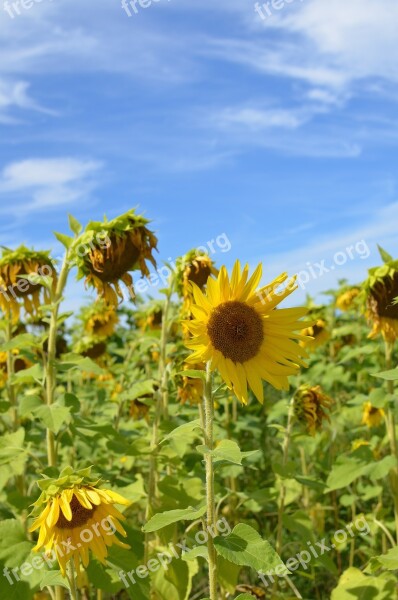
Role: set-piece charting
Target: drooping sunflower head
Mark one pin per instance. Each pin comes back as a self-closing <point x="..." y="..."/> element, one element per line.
<point x="99" y="319"/>
<point x="191" y="389"/>
<point x="311" y="407"/>
<point x="90" y="346"/>
<point x="192" y="268"/>
<point x="317" y="334"/>
<point x="149" y="317"/>
<point x="75" y="515"/>
<point x="380" y="293"/>
<point x="16" y="289"/>
<point x="346" y="300"/>
<point x="372" y="416"/>
<point x="107" y="251"/>
<point x="237" y="328"/>
<point x="20" y="363"/>
<point x="139" y="410"/>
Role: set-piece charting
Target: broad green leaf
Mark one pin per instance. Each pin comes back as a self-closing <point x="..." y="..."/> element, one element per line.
<point x="66" y="240"/>
<point x="24" y="340"/>
<point x="52" y="578"/>
<point x="74" y="224"/>
<point x="164" y="519"/>
<point x="245" y="547"/>
<point x="227" y="451"/>
<point x="183" y="430"/>
<point x="390" y="375"/>
<point x="354" y="585"/>
<point x="388" y="561"/>
<point x="54" y="416"/>
<point x="344" y="472"/>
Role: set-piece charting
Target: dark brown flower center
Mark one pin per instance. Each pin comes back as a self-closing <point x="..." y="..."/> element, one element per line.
<point x="199" y="274"/>
<point x="80" y="515"/>
<point x="381" y="300"/>
<point x="316" y="330"/>
<point x="236" y="330"/>
<point x="111" y="263"/>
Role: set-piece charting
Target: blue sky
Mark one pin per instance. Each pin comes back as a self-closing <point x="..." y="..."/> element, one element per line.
<point x="281" y="132"/>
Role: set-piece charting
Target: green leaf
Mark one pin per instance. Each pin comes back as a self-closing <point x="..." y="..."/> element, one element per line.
<point x="65" y="240"/>
<point x="244" y="597"/>
<point x="183" y="430"/>
<point x="52" y="578"/>
<point x="54" y="416"/>
<point x="385" y="256"/>
<point x="24" y="340"/>
<point x="388" y="561"/>
<point x="164" y="519"/>
<point x="227" y="451"/>
<point x="353" y="584"/>
<point x="390" y="375"/>
<point x="83" y="363"/>
<point x="244" y="546"/>
<point x="28" y="404"/>
<point x="74" y="224"/>
<point x="344" y="472"/>
<point x="193" y="374"/>
<point x="33" y="374"/>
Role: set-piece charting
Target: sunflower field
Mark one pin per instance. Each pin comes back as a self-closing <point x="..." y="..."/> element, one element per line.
<point x="207" y="443"/>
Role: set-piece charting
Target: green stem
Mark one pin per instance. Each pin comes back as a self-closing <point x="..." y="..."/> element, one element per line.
<point x="282" y="498"/>
<point x="72" y="581"/>
<point x="51" y="373"/>
<point x="10" y="373"/>
<point x="210" y="496"/>
<point x="392" y="434"/>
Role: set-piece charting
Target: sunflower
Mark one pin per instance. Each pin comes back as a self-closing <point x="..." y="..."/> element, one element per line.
<point x="192" y="268"/>
<point x="317" y="335"/>
<point x="346" y="300"/>
<point x="20" y="364"/>
<point x="237" y="329"/>
<point x="310" y="405"/>
<point x="381" y="291"/>
<point x="74" y="516"/>
<point x="139" y="410"/>
<point x="99" y="319"/>
<point x="372" y="416"/>
<point x="16" y="289"/>
<point x="191" y="389"/>
<point x="107" y="251"/>
<point x="150" y="316"/>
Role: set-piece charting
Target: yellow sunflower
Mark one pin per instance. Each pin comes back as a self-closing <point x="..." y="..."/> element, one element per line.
<point x="346" y="299"/>
<point x="381" y="292"/>
<point x="237" y="329"/>
<point x="107" y="251"/>
<point x="310" y="405"/>
<point x="316" y="335"/>
<point x="77" y="517"/>
<point x="372" y="416"/>
<point x="16" y="289"/>
<point x="139" y="410"/>
<point x="150" y="316"/>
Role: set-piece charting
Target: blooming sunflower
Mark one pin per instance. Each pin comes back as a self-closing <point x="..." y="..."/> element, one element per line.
<point x="237" y="329"/>
<point x="316" y="335"/>
<point x="107" y="251"/>
<point x="77" y="517"/>
<point x="346" y="300"/>
<point x="15" y="289"/>
<point x="310" y="405"/>
<point x="99" y="319"/>
<point x="192" y="268"/>
<point x="381" y="290"/>
<point x="372" y="416"/>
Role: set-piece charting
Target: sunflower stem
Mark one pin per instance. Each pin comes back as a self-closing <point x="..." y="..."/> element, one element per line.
<point x="210" y="498"/>
<point x="10" y="373"/>
<point x="51" y="373"/>
<point x="282" y="496"/>
<point x="72" y="580"/>
<point x="392" y="434"/>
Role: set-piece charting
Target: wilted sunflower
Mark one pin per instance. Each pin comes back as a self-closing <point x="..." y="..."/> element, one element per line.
<point x="107" y="251"/>
<point x="15" y="289"/>
<point x="150" y="316"/>
<point x="237" y="329"/>
<point x="346" y="299"/>
<point x="191" y="389"/>
<point x="372" y="416"/>
<point x="77" y="516"/>
<point x="139" y="410"/>
<point x="310" y="405"/>
<point x="192" y="268"/>
<point x="99" y="319"/>
<point x="381" y="290"/>
<point x="317" y="335"/>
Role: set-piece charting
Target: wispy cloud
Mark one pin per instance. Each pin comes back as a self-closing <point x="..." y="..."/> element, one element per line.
<point x="48" y="183"/>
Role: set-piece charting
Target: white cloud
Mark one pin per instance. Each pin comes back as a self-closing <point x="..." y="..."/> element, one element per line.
<point x="48" y="182"/>
<point x="256" y="119"/>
